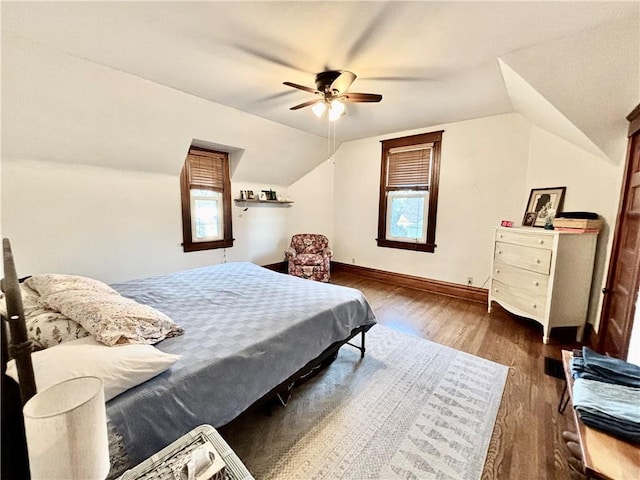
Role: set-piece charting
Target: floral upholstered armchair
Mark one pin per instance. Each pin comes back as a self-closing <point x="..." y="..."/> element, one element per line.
<point x="309" y="256"/>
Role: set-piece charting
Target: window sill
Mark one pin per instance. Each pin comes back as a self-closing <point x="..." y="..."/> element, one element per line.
<point x="418" y="247"/>
<point x="199" y="246"/>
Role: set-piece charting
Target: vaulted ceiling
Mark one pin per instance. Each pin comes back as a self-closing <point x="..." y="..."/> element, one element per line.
<point x="433" y="62"/>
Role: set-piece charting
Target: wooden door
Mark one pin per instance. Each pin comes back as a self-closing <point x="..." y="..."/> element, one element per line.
<point x="623" y="279"/>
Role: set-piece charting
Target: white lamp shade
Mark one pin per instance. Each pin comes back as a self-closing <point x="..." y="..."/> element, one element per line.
<point x="66" y="429"/>
<point x="318" y="109"/>
<point x="336" y="109"/>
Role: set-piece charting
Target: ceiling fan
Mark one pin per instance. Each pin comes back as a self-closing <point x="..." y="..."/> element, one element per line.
<point x="331" y="92"/>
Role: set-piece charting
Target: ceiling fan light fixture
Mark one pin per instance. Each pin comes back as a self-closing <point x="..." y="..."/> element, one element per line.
<point x="336" y="110"/>
<point x="331" y="94"/>
<point x="319" y="109"/>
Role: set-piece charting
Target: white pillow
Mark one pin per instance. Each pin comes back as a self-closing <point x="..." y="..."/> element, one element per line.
<point x="120" y="368"/>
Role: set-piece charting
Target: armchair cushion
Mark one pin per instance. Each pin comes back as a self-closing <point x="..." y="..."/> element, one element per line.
<point x="308" y="259"/>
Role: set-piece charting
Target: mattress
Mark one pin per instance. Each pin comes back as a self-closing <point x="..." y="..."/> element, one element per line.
<point x="247" y="329"/>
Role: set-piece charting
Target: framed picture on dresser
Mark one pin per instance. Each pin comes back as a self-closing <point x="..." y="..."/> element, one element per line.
<point x="543" y="201"/>
<point x="529" y="219"/>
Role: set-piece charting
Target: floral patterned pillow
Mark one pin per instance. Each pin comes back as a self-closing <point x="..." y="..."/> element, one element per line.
<point x="49" y="328"/>
<point x="45" y="328"/>
<point x="111" y="318"/>
<point x="48" y="283"/>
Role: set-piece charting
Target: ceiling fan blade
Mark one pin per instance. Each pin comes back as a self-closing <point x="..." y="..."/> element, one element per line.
<point x="361" y="97"/>
<point x="343" y="82"/>
<point x="306" y="104"/>
<point x="300" y="87"/>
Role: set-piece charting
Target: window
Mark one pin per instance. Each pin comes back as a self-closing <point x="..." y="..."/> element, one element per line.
<point x="409" y="192"/>
<point x="206" y="200"/>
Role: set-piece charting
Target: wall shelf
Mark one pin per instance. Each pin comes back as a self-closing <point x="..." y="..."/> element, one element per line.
<point x="249" y="203"/>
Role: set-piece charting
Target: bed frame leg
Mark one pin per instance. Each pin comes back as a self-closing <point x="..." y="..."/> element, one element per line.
<point x="361" y="347"/>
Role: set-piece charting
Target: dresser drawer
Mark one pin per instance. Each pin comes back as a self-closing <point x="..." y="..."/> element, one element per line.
<point x="533" y="305"/>
<point x="529" y="258"/>
<point x="526" y="280"/>
<point x="540" y="240"/>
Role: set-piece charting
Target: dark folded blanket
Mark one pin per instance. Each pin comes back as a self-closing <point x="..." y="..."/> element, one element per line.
<point x="580" y="215"/>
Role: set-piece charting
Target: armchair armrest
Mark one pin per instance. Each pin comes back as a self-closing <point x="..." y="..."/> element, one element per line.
<point x="289" y="253"/>
<point x="327" y="252"/>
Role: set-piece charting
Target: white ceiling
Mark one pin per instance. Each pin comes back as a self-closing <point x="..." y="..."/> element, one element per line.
<point x="433" y="62"/>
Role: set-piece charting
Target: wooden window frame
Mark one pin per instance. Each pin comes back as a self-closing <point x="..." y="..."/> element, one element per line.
<point x="185" y="194"/>
<point x="429" y="244"/>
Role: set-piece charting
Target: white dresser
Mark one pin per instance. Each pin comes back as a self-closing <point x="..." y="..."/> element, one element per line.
<point x="544" y="275"/>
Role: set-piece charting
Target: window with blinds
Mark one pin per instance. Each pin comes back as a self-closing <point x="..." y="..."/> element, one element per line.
<point x="409" y="192"/>
<point x="409" y="167"/>
<point x="206" y="200"/>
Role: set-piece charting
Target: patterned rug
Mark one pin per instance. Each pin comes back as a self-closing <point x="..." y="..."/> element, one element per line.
<point x="411" y="409"/>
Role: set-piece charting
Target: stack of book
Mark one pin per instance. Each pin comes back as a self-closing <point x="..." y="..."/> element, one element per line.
<point x="577" y="222"/>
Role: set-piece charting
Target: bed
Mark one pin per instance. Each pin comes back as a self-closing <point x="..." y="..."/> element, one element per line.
<point x="249" y="333"/>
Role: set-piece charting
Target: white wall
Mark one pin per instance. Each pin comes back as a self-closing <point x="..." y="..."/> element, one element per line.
<point x="62" y="117"/>
<point x="116" y="225"/>
<point x="313" y="210"/>
<point x="488" y="168"/>
<point x="482" y="181"/>
<point x="593" y="185"/>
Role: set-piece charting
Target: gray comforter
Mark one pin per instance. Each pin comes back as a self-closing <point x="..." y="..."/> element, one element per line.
<point x="247" y="329"/>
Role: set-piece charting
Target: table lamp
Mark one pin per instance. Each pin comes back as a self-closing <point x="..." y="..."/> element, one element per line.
<point x="66" y="430"/>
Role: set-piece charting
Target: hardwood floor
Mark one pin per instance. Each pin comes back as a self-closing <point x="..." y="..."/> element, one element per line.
<point x="526" y="442"/>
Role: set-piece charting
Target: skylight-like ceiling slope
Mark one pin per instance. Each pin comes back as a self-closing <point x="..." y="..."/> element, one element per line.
<point x="580" y="87"/>
<point x="59" y="108"/>
<point x="528" y="101"/>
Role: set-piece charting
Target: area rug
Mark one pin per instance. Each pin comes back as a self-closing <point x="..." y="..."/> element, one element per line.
<point x="411" y="409"/>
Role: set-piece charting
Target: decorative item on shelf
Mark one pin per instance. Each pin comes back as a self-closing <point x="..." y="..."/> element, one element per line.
<point x="250" y="195"/>
<point x="506" y="223"/>
<point x="268" y="195"/>
<point x="548" y="222"/>
<point x="66" y="430"/>
<point x="262" y="196"/>
<point x="541" y="200"/>
<point x="243" y="195"/>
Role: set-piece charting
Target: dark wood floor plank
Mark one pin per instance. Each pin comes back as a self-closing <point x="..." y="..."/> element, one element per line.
<point x="526" y="443"/>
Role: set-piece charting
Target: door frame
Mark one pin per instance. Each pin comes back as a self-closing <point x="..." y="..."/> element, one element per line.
<point x="598" y="341"/>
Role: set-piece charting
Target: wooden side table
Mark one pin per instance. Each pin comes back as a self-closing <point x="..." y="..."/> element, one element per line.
<point x="604" y="456"/>
<point x="164" y="464"/>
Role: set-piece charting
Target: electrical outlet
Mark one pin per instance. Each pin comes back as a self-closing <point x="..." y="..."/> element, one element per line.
<point x="469" y="281"/>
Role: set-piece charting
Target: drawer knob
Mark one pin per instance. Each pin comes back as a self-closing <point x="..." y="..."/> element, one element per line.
<point x="499" y="252"/>
<point x="501" y="236"/>
<point x="536" y="284"/>
<point x="534" y="305"/>
<point x="498" y="270"/>
<point x="540" y="242"/>
<point x="497" y="290"/>
<point x="537" y="260"/>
